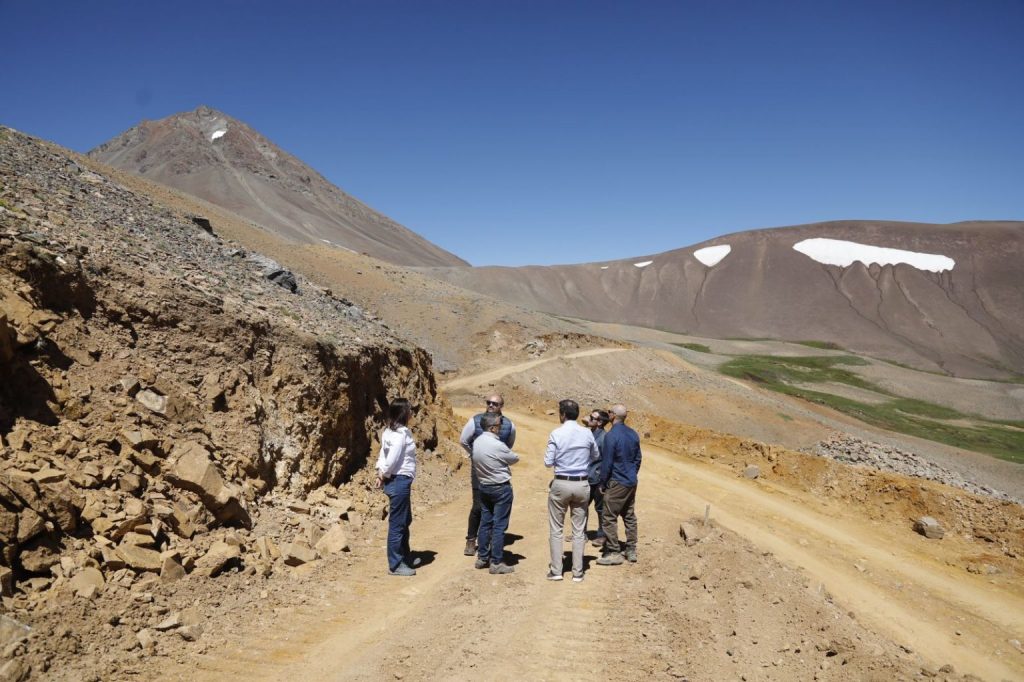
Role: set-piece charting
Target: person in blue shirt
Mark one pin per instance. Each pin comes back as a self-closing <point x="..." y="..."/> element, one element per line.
<point x="620" y="468"/>
<point x="597" y="420"/>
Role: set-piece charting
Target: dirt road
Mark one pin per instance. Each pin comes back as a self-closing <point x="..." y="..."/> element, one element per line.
<point x="786" y="587"/>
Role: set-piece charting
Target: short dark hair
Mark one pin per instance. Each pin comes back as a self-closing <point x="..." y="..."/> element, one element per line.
<point x="489" y="419"/>
<point x="603" y="414"/>
<point x="399" y="412"/>
<point x="570" y="408"/>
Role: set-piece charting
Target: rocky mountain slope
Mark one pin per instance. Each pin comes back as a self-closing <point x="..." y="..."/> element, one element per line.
<point x="217" y="158"/>
<point x="164" y="394"/>
<point x="957" y="313"/>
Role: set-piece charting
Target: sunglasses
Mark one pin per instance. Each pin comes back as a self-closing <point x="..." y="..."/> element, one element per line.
<point x="491" y="403"/>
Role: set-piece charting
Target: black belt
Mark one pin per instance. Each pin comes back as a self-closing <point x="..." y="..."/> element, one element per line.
<point x="563" y="477"/>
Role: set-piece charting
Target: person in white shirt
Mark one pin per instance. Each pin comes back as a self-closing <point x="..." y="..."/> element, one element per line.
<point x="571" y="449"/>
<point x="396" y="469"/>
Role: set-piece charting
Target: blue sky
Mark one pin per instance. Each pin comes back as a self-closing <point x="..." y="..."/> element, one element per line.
<point x="522" y="132"/>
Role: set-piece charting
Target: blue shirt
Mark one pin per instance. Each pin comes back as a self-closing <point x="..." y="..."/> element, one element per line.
<point x="620" y="456"/>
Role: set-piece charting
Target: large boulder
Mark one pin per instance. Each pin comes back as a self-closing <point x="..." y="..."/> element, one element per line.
<point x="193" y="469"/>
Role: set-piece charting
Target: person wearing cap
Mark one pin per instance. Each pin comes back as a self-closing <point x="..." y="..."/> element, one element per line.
<point x="491" y="462"/>
<point x="620" y="469"/>
<point x="571" y="449"/>
<point x="597" y="419"/>
<point x="470" y="432"/>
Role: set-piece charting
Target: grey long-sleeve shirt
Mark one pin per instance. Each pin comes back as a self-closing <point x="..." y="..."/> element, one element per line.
<point x="492" y="459"/>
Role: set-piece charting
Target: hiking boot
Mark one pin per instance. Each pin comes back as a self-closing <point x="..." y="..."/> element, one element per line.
<point x="577" y="578"/>
<point x="611" y="559"/>
<point x="631" y="555"/>
<point x="553" y="576"/>
<point x="481" y="563"/>
<point x="500" y="569"/>
<point x="402" y="570"/>
<point x="470" y="547"/>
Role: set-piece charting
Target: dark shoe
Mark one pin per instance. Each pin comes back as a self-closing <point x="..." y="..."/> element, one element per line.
<point x="403" y="570"/>
<point x="631" y="556"/>
<point x="470" y="548"/>
<point x="611" y="559"/>
<point x="598" y="541"/>
<point x="554" y="576"/>
<point x="577" y="578"/>
<point x="500" y="569"/>
<point x="481" y="563"/>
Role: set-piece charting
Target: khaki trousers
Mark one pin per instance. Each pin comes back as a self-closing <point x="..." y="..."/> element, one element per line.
<point x="574" y="496"/>
<point x="619" y="500"/>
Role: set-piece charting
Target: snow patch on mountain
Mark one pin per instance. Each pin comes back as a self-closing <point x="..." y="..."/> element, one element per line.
<point x="712" y="255"/>
<point x="217" y="133"/>
<point x="843" y="253"/>
<point x="642" y="264"/>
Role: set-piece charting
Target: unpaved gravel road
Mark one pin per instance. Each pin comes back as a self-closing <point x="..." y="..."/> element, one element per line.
<point x="785" y="578"/>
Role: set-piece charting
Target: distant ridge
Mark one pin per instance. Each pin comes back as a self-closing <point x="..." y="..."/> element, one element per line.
<point x="219" y="159"/>
<point x="964" y="320"/>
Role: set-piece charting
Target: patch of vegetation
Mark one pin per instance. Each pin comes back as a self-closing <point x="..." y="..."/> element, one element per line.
<point x="699" y="347"/>
<point x="1004" y="439"/>
<point x="823" y="345"/>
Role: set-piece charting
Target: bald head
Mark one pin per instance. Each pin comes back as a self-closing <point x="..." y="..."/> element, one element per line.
<point x="494" y="403"/>
<point x="618" y="412"/>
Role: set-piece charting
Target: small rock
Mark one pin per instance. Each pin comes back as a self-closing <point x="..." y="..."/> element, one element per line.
<point x="929" y="527"/>
<point x="169" y="623"/>
<point x="752" y="471"/>
<point x="333" y="541"/>
<point x="152" y="401"/>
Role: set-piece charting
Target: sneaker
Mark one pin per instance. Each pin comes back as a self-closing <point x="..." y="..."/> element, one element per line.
<point x="611" y="559"/>
<point x="481" y="563"/>
<point x="500" y="569"/>
<point x="631" y="556"/>
<point x="403" y="570"/>
<point x="554" y="576"/>
<point x="470" y="547"/>
<point x="577" y="578"/>
<point x="598" y="541"/>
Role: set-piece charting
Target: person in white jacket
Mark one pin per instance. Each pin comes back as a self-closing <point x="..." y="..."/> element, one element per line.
<point x="396" y="469"/>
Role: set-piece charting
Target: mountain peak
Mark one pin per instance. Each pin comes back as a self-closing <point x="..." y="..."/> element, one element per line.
<point x="222" y="160"/>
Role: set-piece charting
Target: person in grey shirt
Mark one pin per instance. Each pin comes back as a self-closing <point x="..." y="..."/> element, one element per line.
<point x="491" y="461"/>
<point x="571" y="449"/>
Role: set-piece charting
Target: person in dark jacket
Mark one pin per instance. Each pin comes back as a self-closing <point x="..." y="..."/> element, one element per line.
<point x="597" y="420"/>
<point x="470" y="432"/>
<point x="620" y="469"/>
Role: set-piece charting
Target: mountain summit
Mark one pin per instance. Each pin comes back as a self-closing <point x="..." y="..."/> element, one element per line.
<point x="222" y="160"/>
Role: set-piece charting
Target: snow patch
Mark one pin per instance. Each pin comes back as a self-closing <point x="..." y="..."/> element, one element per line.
<point x="843" y="253"/>
<point x="604" y="267"/>
<point x="217" y="133"/>
<point x="712" y="255"/>
<point x="642" y="264"/>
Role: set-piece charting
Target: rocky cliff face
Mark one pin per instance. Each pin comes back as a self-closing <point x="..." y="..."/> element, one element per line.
<point x="217" y="158"/>
<point x="157" y="385"/>
<point x="964" y="320"/>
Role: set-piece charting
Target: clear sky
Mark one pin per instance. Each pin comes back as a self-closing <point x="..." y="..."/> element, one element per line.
<point x="522" y="132"/>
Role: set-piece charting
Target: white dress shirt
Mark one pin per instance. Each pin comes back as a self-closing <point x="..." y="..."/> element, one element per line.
<point x="397" y="453"/>
<point x="571" y="449"/>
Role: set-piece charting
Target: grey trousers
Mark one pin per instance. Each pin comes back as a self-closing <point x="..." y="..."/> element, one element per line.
<point x="575" y="496"/>
<point x="619" y="500"/>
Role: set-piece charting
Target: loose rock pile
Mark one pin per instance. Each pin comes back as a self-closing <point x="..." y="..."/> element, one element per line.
<point x="159" y="394"/>
<point x="851" y="450"/>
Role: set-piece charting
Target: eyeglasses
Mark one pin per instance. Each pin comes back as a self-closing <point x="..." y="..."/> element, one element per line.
<point x="491" y="403"/>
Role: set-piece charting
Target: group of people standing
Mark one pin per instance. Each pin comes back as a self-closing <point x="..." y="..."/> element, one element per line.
<point x="591" y="466"/>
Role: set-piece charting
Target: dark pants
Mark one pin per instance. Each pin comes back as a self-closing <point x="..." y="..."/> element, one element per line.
<point x="619" y="501"/>
<point x="495" y="511"/>
<point x="474" y="513"/>
<point x="596" y="499"/>
<point x="399" y="490"/>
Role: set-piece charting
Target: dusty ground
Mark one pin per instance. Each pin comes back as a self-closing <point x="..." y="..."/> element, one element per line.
<point x="792" y="581"/>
